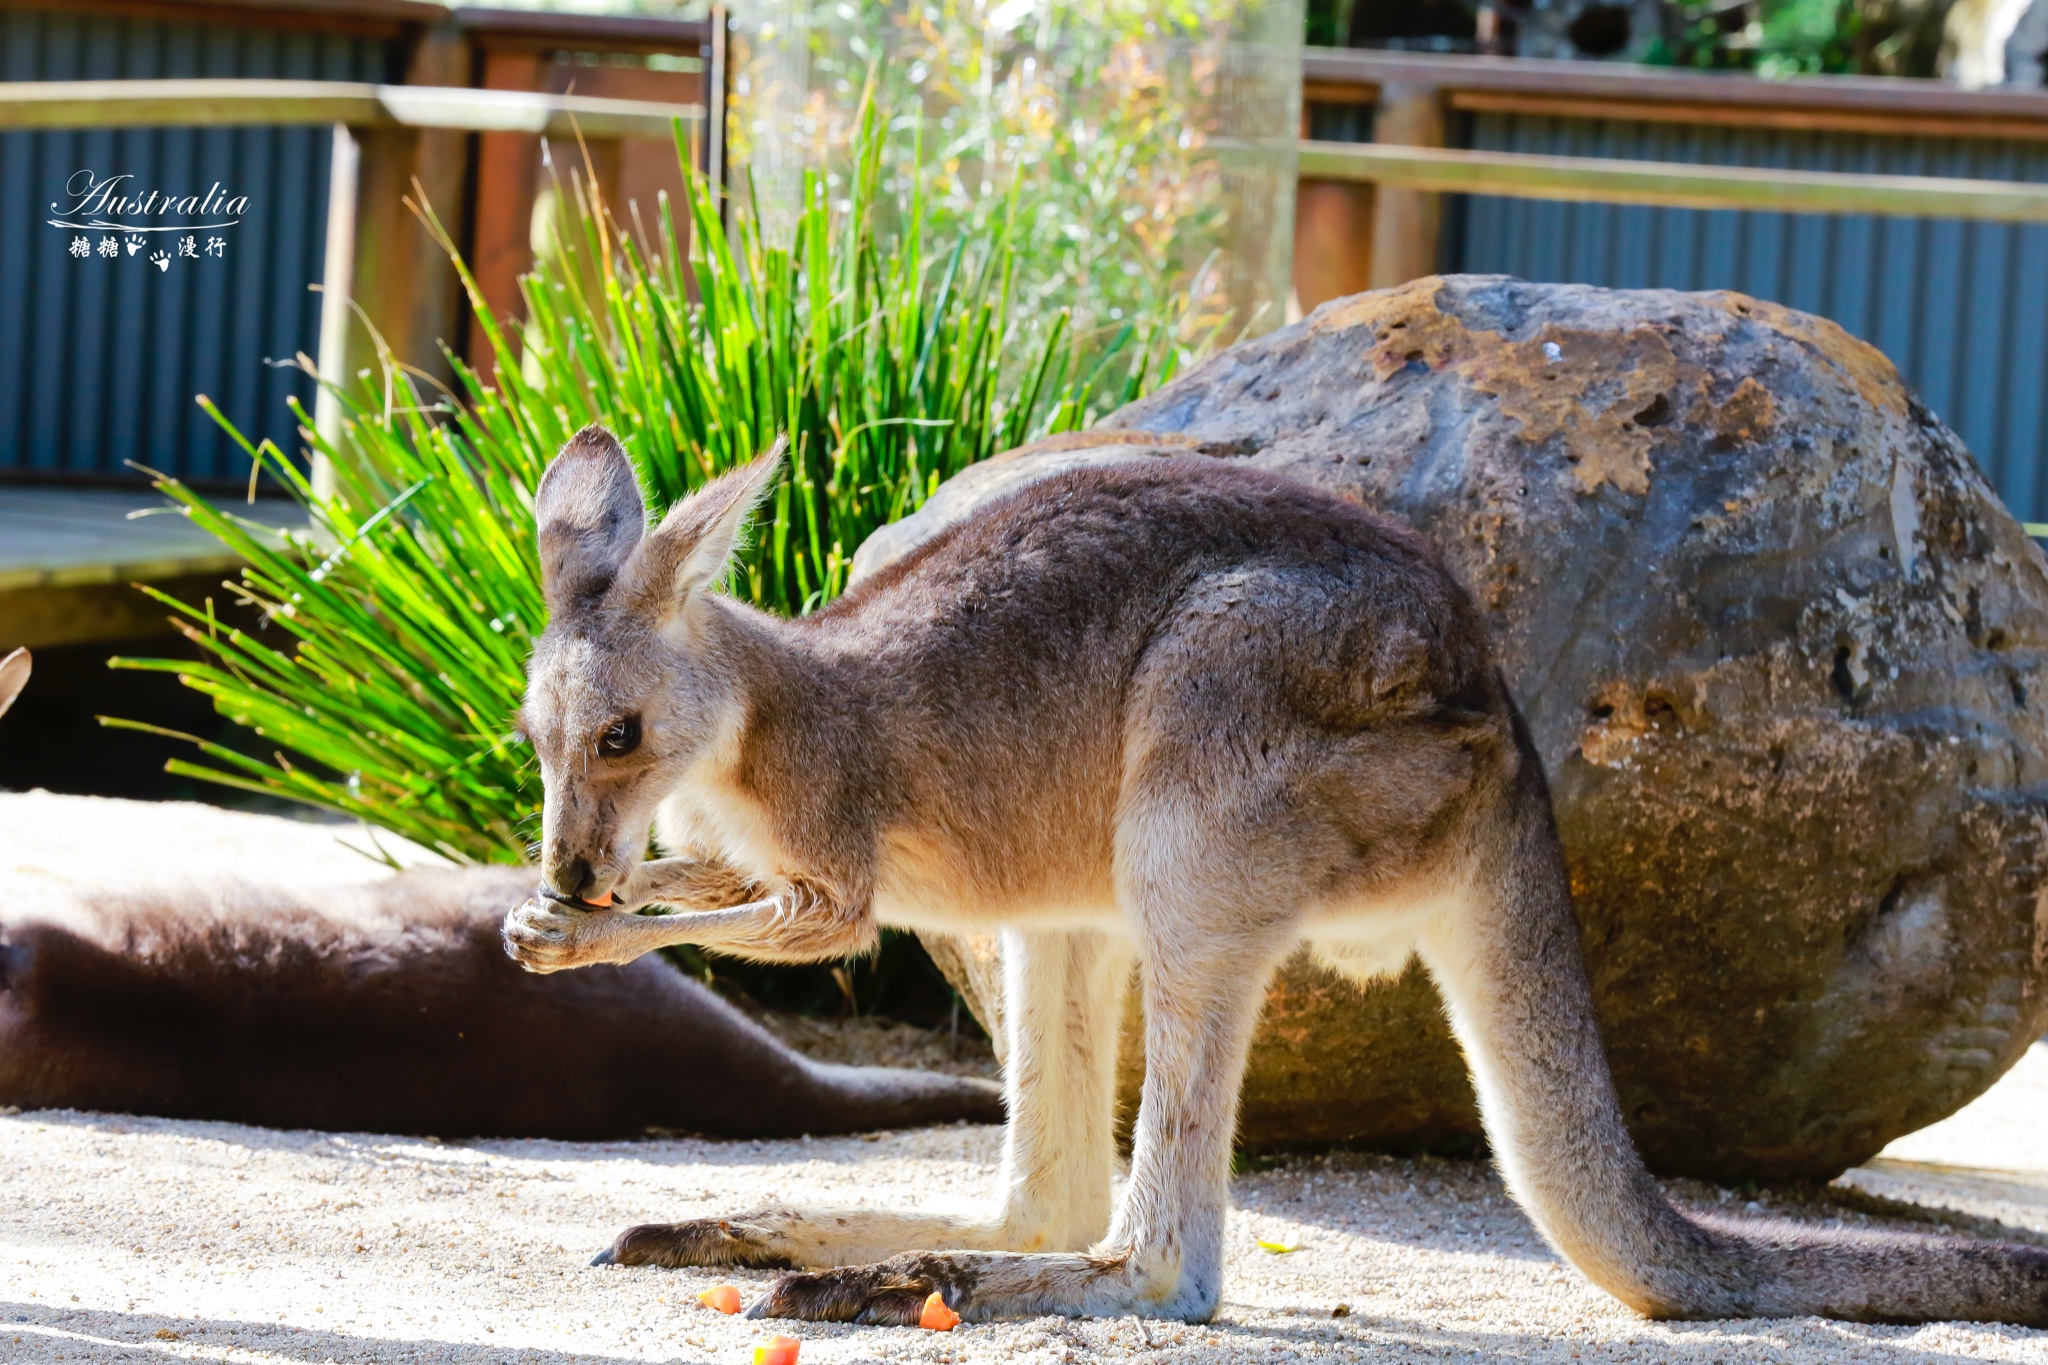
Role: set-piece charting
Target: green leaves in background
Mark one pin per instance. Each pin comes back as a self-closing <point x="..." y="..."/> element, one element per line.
<point x="1778" y="38"/>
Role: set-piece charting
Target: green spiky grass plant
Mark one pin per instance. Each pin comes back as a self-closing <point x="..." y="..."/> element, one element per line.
<point x="398" y="626"/>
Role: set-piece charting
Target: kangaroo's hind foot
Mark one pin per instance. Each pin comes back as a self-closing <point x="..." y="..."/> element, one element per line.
<point x="980" y="1287"/>
<point x="749" y="1242"/>
<point x="786" y="1239"/>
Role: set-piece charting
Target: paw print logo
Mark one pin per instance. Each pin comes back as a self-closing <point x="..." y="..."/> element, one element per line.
<point x="136" y="244"/>
<point x="161" y="260"/>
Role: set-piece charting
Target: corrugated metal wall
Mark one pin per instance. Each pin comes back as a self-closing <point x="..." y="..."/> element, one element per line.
<point x="1960" y="307"/>
<point x="100" y="359"/>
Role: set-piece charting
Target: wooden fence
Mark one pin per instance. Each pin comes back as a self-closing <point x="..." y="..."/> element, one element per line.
<point x="1350" y="238"/>
<point x="1369" y="212"/>
<point x="1923" y="209"/>
<point x="373" y="260"/>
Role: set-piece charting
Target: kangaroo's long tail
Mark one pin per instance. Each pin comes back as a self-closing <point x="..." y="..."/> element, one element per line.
<point x="1515" y="982"/>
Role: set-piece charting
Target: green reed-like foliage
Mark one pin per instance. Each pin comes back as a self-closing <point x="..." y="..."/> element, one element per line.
<point x="398" y="626"/>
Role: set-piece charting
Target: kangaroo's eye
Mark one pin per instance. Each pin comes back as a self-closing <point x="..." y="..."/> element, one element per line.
<point x="620" y="738"/>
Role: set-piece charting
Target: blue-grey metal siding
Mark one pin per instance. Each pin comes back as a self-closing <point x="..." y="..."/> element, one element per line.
<point x="1960" y="307"/>
<point x="100" y="359"/>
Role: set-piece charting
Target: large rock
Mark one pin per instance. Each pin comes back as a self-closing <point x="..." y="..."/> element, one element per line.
<point x="1781" y="649"/>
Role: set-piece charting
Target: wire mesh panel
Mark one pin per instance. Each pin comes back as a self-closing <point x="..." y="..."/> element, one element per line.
<point x="1150" y="147"/>
<point x="109" y="332"/>
<point x="1960" y="307"/>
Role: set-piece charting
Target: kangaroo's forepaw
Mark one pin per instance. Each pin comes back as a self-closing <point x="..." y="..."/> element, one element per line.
<point x="544" y="935"/>
<point x="541" y="936"/>
<point x="702" y="1241"/>
<point x="890" y="1294"/>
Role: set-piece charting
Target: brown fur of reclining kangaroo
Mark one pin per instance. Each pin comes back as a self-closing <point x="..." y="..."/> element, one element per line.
<point x="392" y="1008"/>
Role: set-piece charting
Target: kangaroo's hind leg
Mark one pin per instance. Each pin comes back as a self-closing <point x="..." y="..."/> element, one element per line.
<point x="1163" y="1255"/>
<point x="1210" y="936"/>
<point x="1064" y="996"/>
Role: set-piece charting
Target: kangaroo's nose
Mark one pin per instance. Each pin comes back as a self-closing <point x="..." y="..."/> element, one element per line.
<point x="570" y="876"/>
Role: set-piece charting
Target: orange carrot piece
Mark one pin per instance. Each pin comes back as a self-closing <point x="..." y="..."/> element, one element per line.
<point x="781" y="1351"/>
<point x="605" y="899"/>
<point x="937" y="1317"/>
<point x="724" y="1297"/>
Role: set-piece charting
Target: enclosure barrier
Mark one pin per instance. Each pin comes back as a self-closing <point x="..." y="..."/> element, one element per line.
<point x="375" y="256"/>
<point x="99" y="362"/>
<point x="1432" y="104"/>
<point x="1415" y="108"/>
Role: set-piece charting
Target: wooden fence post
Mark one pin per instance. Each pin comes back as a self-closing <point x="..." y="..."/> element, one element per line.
<point x="1406" y="223"/>
<point x="1332" y="218"/>
<point x="508" y="167"/>
<point x="337" y="288"/>
<point x="382" y="269"/>
<point x="1333" y="231"/>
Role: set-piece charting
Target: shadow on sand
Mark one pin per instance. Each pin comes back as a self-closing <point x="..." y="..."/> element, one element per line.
<point x="35" y="1334"/>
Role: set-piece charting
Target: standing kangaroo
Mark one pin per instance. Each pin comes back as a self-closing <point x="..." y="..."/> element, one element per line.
<point x="1181" y="712"/>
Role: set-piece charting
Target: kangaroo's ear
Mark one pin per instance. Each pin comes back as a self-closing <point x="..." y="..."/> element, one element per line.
<point x="13" y="677"/>
<point x="688" y="552"/>
<point x="589" y="517"/>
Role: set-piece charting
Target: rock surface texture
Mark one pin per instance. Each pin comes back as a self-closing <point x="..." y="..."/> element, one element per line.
<point x="1782" y="651"/>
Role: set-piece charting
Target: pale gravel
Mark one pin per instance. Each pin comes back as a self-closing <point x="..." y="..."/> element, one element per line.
<point x="138" y="1239"/>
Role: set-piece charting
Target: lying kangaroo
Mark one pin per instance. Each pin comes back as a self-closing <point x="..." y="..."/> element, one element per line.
<point x="390" y="1008"/>
<point x="1180" y="711"/>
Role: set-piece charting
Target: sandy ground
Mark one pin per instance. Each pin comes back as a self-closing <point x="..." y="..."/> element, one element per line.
<point x="133" y="1239"/>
